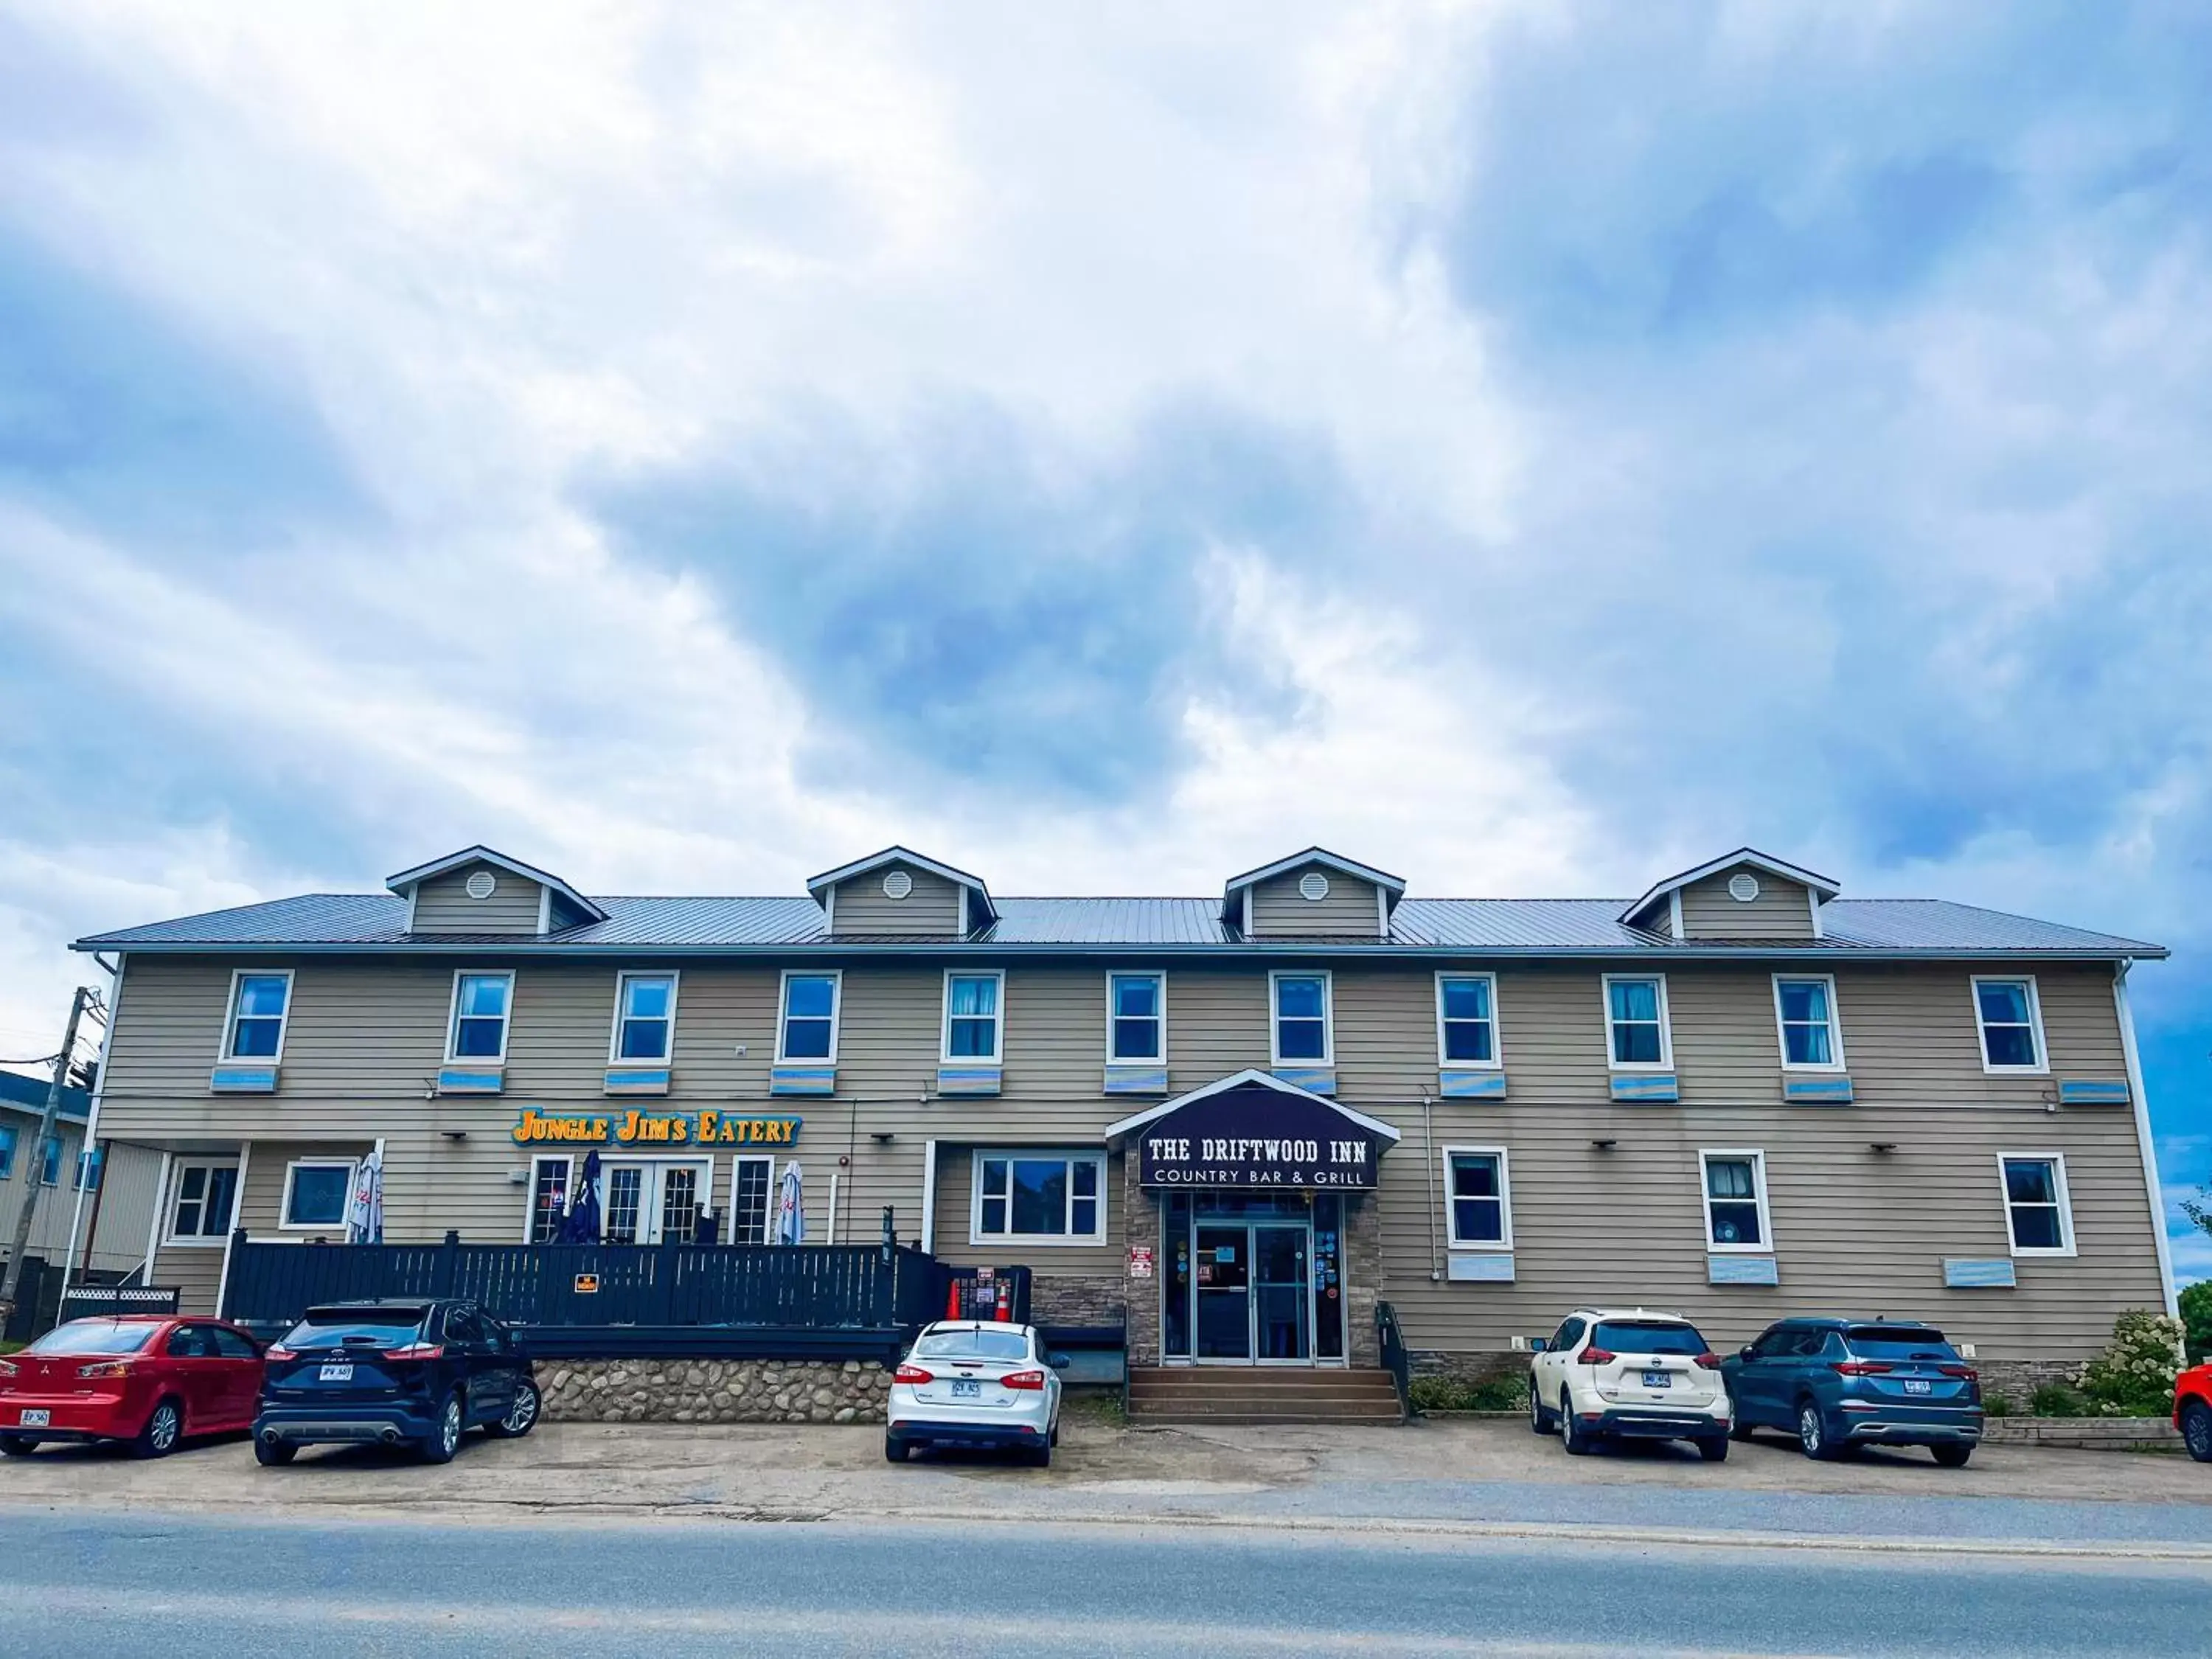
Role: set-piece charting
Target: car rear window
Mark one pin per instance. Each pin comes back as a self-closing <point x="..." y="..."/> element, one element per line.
<point x="1898" y="1342"/>
<point x="93" y="1336"/>
<point x="1647" y="1336"/>
<point x="331" y="1328"/>
<point x="973" y="1345"/>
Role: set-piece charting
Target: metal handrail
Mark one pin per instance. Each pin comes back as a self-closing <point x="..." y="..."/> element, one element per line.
<point x="1395" y="1359"/>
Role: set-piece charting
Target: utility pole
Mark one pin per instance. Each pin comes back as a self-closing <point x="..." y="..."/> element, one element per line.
<point x="49" y="1131"/>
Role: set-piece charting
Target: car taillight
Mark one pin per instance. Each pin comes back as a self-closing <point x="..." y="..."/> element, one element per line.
<point x="1707" y="1362"/>
<point x="417" y="1351"/>
<point x="912" y="1374"/>
<point x="278" y="1350"/>
<point x="1966" y="1371"/>
<point x="1861" y="1367"/>
<point x="6" y="1368"/>
<point x="1022" y="1380"/>
<point x="1596" y="1356"/>
<point x="105" y="1368"/>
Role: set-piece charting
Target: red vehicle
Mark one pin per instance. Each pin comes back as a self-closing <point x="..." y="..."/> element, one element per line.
<point x="150" y="1379"/>
<point x="2192" y="1410"/>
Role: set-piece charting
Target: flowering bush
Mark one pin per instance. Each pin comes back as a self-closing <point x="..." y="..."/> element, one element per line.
<point x="2134" y="1378"/>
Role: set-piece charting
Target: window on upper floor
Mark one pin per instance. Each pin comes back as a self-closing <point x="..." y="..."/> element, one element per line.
<point x="809" y="1029"/>
<point x="1466" y="1020"/>
<point x="259" y="1004"/>
<point x="1041" y="1197"/>
<point x="205" y="1199"/>
<point x="1137" y="1018"/>
<point x="1806" y="1006"/>
<point x="1636" y="1021"/>
<point x="1302" y="1021"/>
<point x="645" y="1018"/>
<point x="1735" y="1201"/>
<point x="971" y="1015"/>
<point x="2039" y="1216"/>
<point x="1480" y="1210"/>
<point x="480" y="1011"/>
<point x="2010" y="1018"/>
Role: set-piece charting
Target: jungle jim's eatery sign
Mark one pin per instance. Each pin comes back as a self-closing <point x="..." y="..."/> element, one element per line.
<point x="535" y="1128"/>
<point x="1257" y="1140"/>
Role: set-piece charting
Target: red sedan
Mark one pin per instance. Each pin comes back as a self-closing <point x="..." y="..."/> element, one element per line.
<point x="150" y="1379"/>
<point x="2192" y="1410"/>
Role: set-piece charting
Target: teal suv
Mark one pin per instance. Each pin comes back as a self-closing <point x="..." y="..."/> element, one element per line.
<point x="1839" y="1384"/>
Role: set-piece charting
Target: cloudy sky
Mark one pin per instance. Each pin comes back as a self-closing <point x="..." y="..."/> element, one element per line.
<point x="1531" y="447"/>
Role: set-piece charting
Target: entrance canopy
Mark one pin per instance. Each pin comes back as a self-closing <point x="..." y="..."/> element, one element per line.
<point x="1254" y="1132"/>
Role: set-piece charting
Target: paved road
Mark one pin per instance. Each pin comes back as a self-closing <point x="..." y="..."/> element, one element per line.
<point x="184" y="1586"/>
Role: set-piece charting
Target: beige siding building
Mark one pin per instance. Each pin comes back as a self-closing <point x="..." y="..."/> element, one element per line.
<point x="1233" y="1124"/>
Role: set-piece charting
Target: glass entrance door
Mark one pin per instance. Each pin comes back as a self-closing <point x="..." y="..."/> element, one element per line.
<point x="1282" y="1294"/>
<point x="1223" y="1290"/>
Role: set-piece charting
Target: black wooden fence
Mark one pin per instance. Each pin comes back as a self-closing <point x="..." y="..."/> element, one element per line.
<point x="574" y="1300"/>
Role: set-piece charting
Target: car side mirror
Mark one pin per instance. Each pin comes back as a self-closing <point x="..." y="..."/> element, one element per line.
<point x="1745" y="1352"/>
<point x="1059" y="1362"/>
<point x="1538" y="1344"/>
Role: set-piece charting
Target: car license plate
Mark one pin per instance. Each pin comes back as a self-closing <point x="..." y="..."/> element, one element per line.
<point x="1658" y="1379"/>
<point x="36" y="1419"/>
<point x="966" y="1390"/>
<point x="335" y="1374"/>
<point x="1912" y="1386"/>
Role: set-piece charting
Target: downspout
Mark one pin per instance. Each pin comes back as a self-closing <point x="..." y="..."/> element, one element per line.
<point x="2152" y="1190"/>
<point x="1428" y="1167"/>
<point x="929" y="1196"/>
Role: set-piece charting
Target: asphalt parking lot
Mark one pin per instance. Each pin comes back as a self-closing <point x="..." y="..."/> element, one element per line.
<point x="1443" y="1470"/>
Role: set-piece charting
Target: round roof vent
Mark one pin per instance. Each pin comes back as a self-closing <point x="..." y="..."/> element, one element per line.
<point x="1313" y="885"/>
<point x="1743" y="887"/>
<point x="482" y="885"/>
<point x="897" y="884"/>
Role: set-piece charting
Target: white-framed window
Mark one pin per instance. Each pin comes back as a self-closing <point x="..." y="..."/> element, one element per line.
<point x="752" y="1199"/>
<point x="1136" y="1018"/>
<point x="1637" y="1034"/>
<point x="1302" y="1029"/>
<point x="2008" y="1015"/>
<point x="1478" y="1198"/>
<point x="260" y="1007"/>
<point x="1038" y="1197"/>
<point x="1466" y="1022"/>
<point x="975" y="1012"/>
<point x="481" y="1004"/>
<point x="806" y="1028"/>
<point x="2038" y="1214"/>
<point x="204" y="1200"/>
<point x="318" y="1191"/>
<point x="1805" y="1015"/>
<point x="551" y="1178"/>
<point x="644" y="1018"/>
<point x="8" y="1134"/>
<point x="1735" y="1186"/>
<point x="89" y="1165"/>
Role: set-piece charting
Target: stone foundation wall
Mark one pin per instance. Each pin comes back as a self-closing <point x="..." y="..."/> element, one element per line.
<point x="713" y="1390"/>
<point x="2013" y="1381"/>
<point x="1488" y="1366"/>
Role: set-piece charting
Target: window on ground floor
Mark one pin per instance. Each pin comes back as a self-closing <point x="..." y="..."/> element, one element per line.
<point x="1042" y="1196"/>
<point x="206" y="1198"/>
<point x="1735" y="1201"/>
<point x="752" y="1200"/>
<point x="548" y="1197"/>
<point x="317" y="1192"/>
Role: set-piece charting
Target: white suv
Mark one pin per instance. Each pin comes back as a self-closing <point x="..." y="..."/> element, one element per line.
<point x="1629" y="1371"/>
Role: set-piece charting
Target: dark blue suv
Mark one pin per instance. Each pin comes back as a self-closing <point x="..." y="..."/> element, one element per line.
<point x="1839" y="1384"/>
<point x="417" y="1373"/>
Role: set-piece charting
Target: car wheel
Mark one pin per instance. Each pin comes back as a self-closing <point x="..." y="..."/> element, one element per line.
<point x="1952" y="1457"/>
<point x="1572" y="1435"/>
<point x="2196" y="1430"/>
<point x="1738" y="1429"/>
<point x="17" y="1445"/>
<point x="274" y="1453"/>
<point x="1714" y="1448"/>
<point x="1540" y="1421"/>
<point x="1055" y="1432"/>
<point x="1040" y="1457"/>
<point x="1813" y="1436"/>
<point x="442" y="1442"/>
<point x="521" y="1416"/>
<point x="894" y="1450"/>
<point x="164" y="1426"/>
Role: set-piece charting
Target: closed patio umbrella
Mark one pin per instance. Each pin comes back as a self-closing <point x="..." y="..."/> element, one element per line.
<point x="582" y="1224"/>
<point x="791" y="1207"/>
<point x="365" y="1210"/>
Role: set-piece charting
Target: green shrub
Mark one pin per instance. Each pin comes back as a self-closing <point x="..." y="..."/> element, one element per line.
<point x="2056" y="1399"/>
<point x="2196" y="1320"/>
<point x="1448" y="1393"/>
<point x="1995" y="1405"/>
<point x="2134" y="1378"/>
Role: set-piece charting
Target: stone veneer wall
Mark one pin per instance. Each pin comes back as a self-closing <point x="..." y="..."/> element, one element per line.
<point x="1076" y="1299"/>
<point x="713" y="1390"/>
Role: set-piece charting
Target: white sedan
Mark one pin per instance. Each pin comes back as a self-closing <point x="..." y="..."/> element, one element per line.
<point x="970" y="1383"/>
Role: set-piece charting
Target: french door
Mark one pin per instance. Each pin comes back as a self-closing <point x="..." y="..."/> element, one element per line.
<point x="652" y="1200"/>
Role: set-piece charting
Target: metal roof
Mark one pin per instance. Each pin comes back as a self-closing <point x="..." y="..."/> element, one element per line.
<point x="29" y="1094"/>
<point x="1544" y="928"/>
